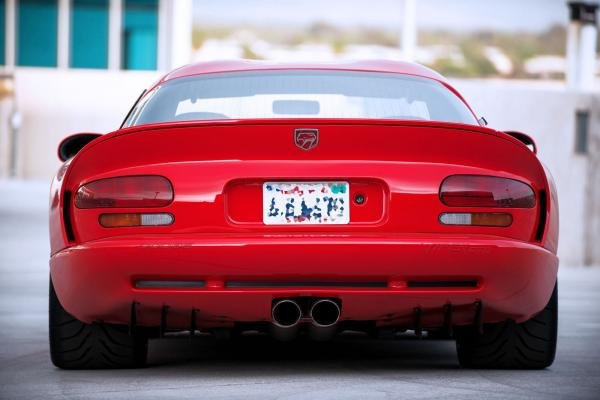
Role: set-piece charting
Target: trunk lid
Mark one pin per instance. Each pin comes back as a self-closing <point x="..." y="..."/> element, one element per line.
<point x="218" y="169"/>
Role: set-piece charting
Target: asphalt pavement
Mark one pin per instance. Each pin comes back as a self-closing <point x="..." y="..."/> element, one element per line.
<point x="255" y="367"/>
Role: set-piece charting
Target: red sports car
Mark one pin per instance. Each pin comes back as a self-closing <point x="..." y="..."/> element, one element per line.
<point x="303" y="200"/>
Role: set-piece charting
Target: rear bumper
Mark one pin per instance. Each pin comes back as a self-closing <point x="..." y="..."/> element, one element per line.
<point x="96" y="281"/>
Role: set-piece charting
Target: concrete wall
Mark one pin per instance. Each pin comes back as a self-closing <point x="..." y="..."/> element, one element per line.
<point x="546" y="111"/>
<point x="57" y="103"/>
<point x="592" y="231"/>
<point x="7" y="105"/>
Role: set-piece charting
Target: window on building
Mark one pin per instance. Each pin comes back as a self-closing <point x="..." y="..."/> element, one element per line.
<point x="140" y="34"/>
<point x="37" y="27"/>
<point x="2" y="32"/>
<point x="89" y="34"/>
<point x="582" y="127"/>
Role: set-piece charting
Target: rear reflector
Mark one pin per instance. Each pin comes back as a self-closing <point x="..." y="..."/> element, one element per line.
<point x="124" y="220"/>
<point x="155" y="284"/>
<point x="470" y="283"/>
<point x="305" y="284"/>
<point x="486" y="191"/>
<point x="476" y="219"/>
<point x="125" y="191"/>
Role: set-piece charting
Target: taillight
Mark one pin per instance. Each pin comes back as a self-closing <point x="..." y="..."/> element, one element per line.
<point x="126" y="192"/>
<point x="486" y="191"/>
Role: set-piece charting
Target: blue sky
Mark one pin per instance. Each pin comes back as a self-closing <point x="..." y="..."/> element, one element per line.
<point x="464" y="15"/>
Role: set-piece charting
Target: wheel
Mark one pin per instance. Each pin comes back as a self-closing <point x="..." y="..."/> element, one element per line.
<point x="507" y="345"/>
<point x="76" y="345"/>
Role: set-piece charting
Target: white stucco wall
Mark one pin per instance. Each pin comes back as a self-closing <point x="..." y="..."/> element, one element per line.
<point x="175" y="33"/>
<point x="6" y="106"/>
<point x="56" y="103"/>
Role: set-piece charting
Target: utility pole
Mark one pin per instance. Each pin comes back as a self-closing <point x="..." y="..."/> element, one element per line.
<point x="409" y="31"/>
<point x="581" y="45"/>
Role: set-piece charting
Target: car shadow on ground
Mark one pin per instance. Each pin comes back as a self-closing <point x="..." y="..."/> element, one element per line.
<point x="261" y="351"/>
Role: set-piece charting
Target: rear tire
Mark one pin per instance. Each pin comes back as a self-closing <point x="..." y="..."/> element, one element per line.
<point x="507" y="345"/>
<point x="76" y="345"/>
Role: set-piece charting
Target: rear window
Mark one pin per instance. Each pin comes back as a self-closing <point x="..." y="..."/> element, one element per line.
<point x="300" y="94"/>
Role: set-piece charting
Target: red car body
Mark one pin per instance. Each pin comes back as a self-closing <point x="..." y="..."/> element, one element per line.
<point x="394" y="265"/>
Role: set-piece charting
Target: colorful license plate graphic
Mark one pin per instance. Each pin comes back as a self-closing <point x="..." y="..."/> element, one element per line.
<point x="306" y="203"/>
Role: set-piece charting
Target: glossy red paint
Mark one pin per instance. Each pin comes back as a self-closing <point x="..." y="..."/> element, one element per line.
<point x="96" y="279"/>
<point x="217" y="168"/>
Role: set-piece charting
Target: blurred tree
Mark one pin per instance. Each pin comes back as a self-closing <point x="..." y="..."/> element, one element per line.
<point x="248" y="53"/>
<point x="449" y="67"/>
<point x="473" y="62"/>
<point x="477" y="63"/>
<point x="339" y="45"/>
<point x="199" y="35"/>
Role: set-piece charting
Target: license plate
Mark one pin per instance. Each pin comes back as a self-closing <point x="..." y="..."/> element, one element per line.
<point x="306" y="203"/>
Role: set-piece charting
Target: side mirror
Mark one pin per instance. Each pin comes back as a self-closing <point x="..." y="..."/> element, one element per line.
<point x="72" y="144"/>
<point x="523" y="138"/>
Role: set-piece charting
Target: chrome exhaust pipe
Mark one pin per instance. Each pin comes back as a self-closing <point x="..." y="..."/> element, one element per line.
<point x="325" y="314"/>
<point x="285" y="316"/>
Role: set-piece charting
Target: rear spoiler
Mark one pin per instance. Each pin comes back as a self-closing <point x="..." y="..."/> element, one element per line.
<point x="72" y="144"/>
<point x="523" y="138"/>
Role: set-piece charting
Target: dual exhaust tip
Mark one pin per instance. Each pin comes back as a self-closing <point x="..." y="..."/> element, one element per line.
<point x="323" y="313"/>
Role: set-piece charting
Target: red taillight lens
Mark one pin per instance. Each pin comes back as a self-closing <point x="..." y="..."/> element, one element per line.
<point x="125" y="191"/>
<point x="485" y="191"/>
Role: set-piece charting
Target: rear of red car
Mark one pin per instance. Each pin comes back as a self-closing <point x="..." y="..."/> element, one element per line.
<point x="397" y="224"/>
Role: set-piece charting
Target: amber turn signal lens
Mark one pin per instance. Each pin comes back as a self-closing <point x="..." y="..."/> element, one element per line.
<point x="130" y="219"/>
<point x="477" y="219"/>
<point x="120" y="220"/>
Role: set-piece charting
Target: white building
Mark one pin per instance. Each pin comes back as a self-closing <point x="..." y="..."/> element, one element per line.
<point x="78" y="65"/>
<point x="95" y="34"/>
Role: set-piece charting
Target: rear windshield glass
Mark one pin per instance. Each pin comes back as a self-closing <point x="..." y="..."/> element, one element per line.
<point x="300" y="94"/>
